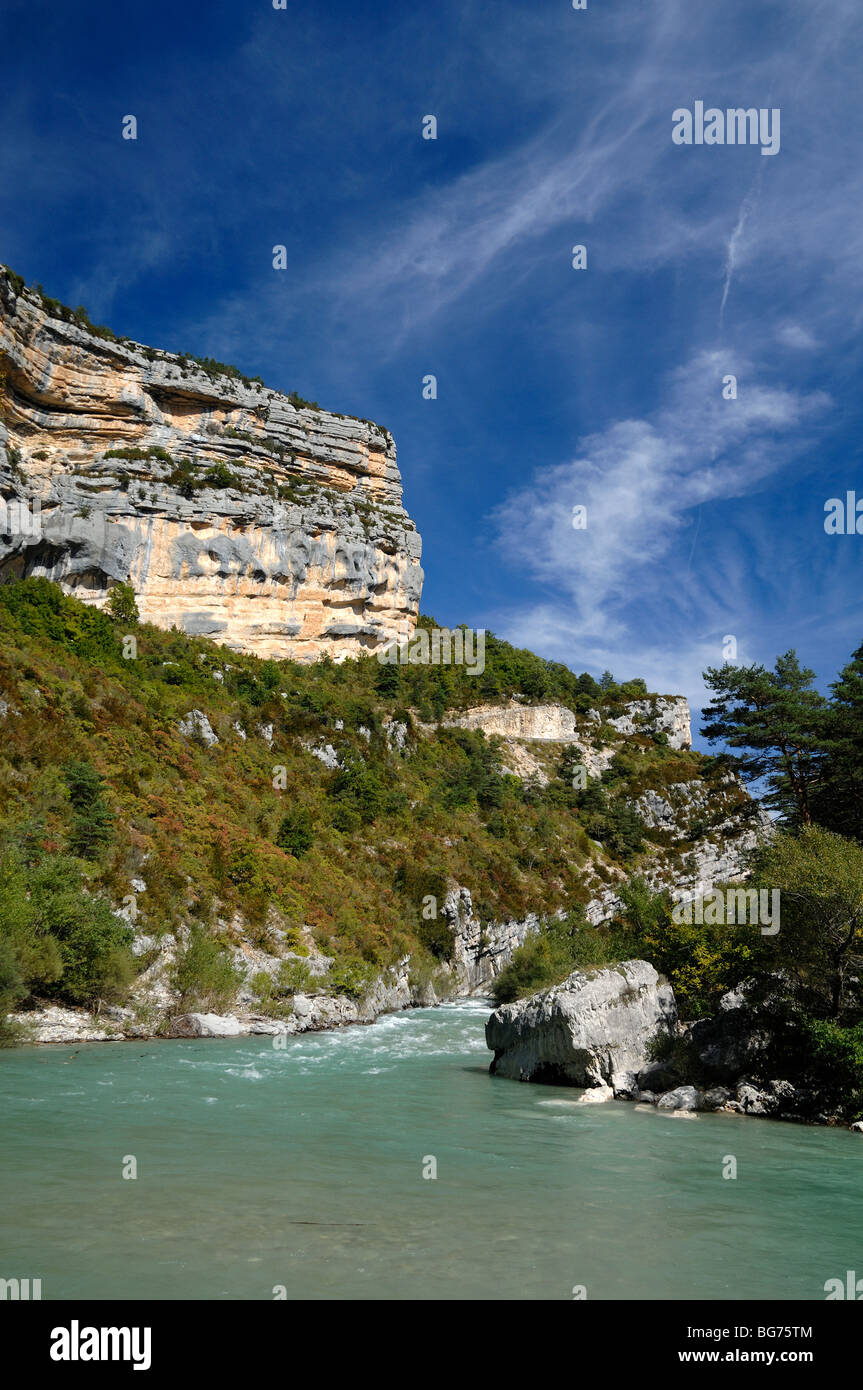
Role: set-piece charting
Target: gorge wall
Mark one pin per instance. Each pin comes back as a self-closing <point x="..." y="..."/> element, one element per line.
<point x="237" y="513"/>
<point x="258" y="520"/>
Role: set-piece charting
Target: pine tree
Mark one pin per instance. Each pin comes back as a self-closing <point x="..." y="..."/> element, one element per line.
<point x="92" y="819"/>
<point x="838" y="801"/>
<point x="122" y="605"/>
<point x="780" y="722"/>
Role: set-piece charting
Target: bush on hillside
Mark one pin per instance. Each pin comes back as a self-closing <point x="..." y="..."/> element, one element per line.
<point x="205" y="975"/>
<point x="56" y="940"/>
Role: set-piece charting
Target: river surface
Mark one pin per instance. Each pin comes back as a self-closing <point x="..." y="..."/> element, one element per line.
<point x="302" y="1169"/>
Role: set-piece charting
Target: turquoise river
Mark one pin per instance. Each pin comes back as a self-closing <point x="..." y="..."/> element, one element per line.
<point x="301" y="1169"/>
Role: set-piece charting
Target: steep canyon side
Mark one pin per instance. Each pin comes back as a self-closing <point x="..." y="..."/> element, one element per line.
<point x="234" y="511"/>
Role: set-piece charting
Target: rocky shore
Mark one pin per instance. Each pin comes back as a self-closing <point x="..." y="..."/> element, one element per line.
<point x="616" y="1033"/>
<point x="155" y="1008"/>
<point x="155" y="1012"/>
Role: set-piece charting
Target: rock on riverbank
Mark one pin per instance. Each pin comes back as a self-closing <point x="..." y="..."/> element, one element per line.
<point x="615" y="1031"/>
<point x="593" y="1029"/>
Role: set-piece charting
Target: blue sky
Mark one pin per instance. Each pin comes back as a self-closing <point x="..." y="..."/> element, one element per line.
<point x="556" y="387"/>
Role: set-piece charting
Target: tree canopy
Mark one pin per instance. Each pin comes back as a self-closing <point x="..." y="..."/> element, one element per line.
<point x="780" y="722"/>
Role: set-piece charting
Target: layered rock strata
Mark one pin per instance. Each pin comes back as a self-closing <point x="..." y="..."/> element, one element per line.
<point x="237" y="513"/>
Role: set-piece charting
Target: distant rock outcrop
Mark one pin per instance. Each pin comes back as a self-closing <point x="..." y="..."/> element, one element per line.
<point x="271" y="526"/>
<point x="659" y="714"/>
<point x="701" y="832"/>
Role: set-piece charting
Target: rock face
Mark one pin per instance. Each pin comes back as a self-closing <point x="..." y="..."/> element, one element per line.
<point x="551" y="723"/>
<point x="155" y="1001"/>
<point x="594" y="1026"/>
<point x="734" y="1042"/>
<point x="706" y="832"/>
<point x="665" y="714"/>
<point x="197" y="725"/>
<point x="298" y="545"/>
<point x="701" y="832"/>
<point x="55" y="1024"/>
<point x="480" y="951"/>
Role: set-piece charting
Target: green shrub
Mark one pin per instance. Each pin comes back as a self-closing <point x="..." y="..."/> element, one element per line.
<point x="611" y="821"/>
<point x="300" y="403"/>
<point x="294" y="977"/>
<point x="13" y="981"/>
<point x="819" y="876"/>
<point x="17" y="282"/>
<point x="261" y="985"/>
<point x="296" y="833"/>
<point x="547" y="957"/>
<point x="437" y="936"/>
<point x="836" y="1060"/>
<point x="206" y="826"/>
<point x="822" y="1057"/>
<point x="474" y="772"/>
<point x="541" y="962"/>
<point x="92" y="826"/>
<point x="94" y="946"/>
<point x="55" y="938"/>
<point x="204" y="974"/>
<point x="360" y="794"/>
<point x="387" y="680"/>
<point x="185" y="479"/>
<point x="40" y="609"/>
<point x="351" y="975"/>
<point x="294" y="942"/>
<point x="121" y="604"/>
<point x="221" y="476"/>
<point x="139" y="455"/>
<point x="701" y="961"/>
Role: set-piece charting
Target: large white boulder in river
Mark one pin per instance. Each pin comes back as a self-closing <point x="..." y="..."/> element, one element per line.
<point x="583" y="1031"/>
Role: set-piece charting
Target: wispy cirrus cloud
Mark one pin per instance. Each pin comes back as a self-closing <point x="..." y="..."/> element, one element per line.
<point x="641" y="478"/>
<point x="302" y="128"/>
<point x="645" y="483"/>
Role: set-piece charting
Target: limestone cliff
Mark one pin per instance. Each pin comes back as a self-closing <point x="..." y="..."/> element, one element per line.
<point x="667" y="714"/>
<point x="235" y="512"/>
